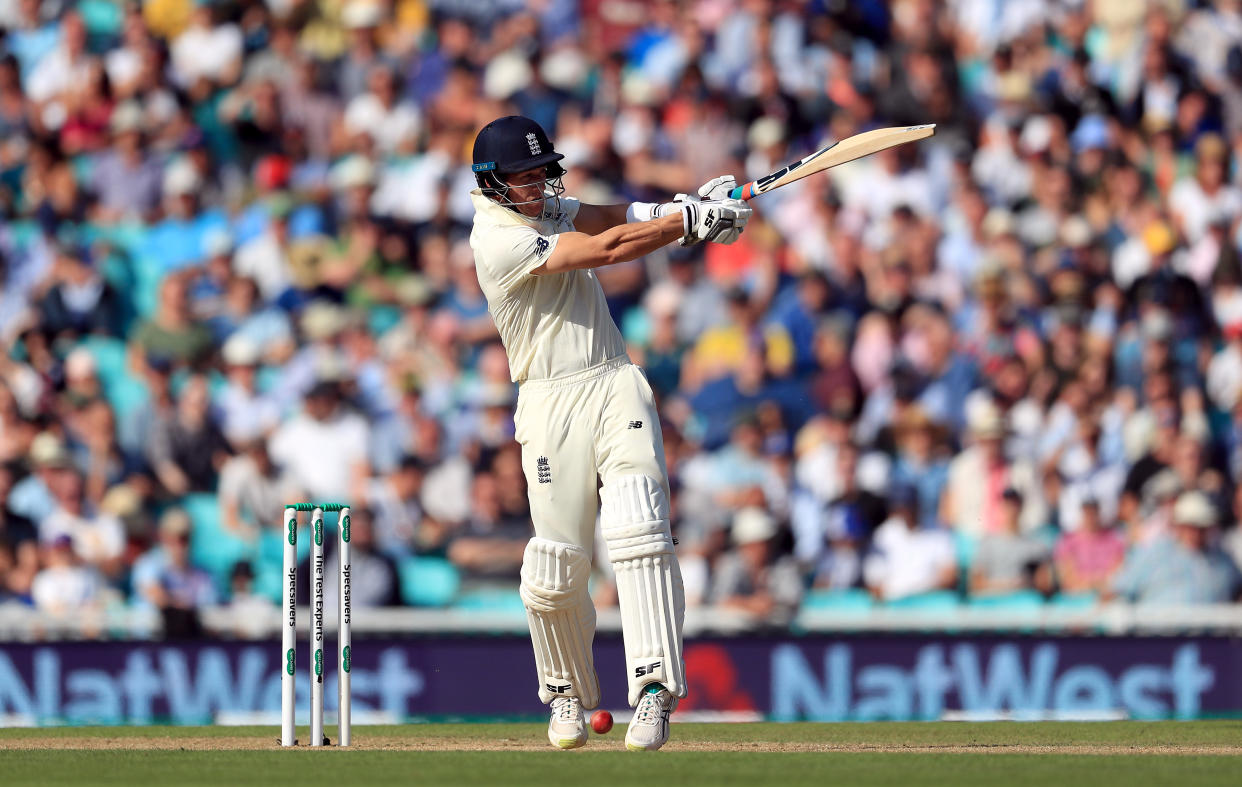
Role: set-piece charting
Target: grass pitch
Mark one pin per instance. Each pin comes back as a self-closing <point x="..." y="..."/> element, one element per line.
<point x="956" y="753"/>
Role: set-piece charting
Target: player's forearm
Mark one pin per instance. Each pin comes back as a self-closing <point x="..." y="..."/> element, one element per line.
<point x="627" y="242"/>
<point x="579" y="251"/>
<point x="594" y="219"/>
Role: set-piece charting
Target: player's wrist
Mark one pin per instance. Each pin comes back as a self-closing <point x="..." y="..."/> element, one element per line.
<point x="646" y="211"/>
<point x="640" y="211"/>
<point x="689" y="222"/>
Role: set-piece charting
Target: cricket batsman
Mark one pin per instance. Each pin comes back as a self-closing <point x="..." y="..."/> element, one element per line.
<point x="586" y="419"/>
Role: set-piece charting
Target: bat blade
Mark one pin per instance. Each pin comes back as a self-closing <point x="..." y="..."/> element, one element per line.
<point x="838" y="153"/>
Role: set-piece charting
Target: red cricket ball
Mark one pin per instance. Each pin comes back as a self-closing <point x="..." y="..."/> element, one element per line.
<point x="601" y="721"/>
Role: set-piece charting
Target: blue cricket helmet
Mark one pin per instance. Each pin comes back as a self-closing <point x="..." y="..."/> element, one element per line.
<point x="514" y="144"/>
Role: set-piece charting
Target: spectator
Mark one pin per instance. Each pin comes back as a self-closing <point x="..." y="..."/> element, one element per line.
<point x="835" y="387"/>
<point x="31" y="496"/>
<point x="78" y="300"/>
<point x="663" y="351"/>
<point x="166" y="579"/>
<point x="254" y="112"/>
<point x="243" y="410"/>
<point x="1007" y="559"/>
<point x="172" y="333"/>
<point x="187" y="450"/>
<point x="1154" y="518"/>
<point x="248" y="611"/>
<point x="446" y="487"/>
<point x="126" y="178"/>
<point x="92" y="435"/>
<point x="33" y="36"/>
<point x="907" y="560"/>
<point x="98" y="539"/>
<point x="81" y="379"/>
<point x="19" y="553"/>
<point x="206" y="50"/>
<point x="156" y="408"/>
<point x="1197" y="201"/>
<point x="125" y="62"/>
<point x="840" y="566"/>
<point x="265" y="260"/>
<point x="64" y="587"/>
<point x="393" y="500"/>
<point x="392" y="125"/>
<point x="737" y="475"/>
<point x="325" y="446"/>
<point x="489" y="544"/>
<point x="59" y="70"/>
<point x="1182" y="567"/>
<point x="828" y="533"/>
<point x="1086" y="473"/>
<point x="244" y="314"/>
<point x="362" y="20"/>
<point x="252" y="486"/>
<point x="920" y="462"/>
<point x="723" y="350"/>
<point x="1087" y="558"/>
<point x="972" y="503"/>
<point x="751" y="578"/>
<point x="209" y="281"/>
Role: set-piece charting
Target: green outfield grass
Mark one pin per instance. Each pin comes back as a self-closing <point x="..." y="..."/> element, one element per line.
<point x="956" y="753"/>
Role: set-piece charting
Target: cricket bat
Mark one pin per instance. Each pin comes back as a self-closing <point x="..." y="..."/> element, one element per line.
<point x="837" y="153"/>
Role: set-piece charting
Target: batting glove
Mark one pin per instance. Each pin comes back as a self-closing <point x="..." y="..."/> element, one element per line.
<point x="714" y="222"/>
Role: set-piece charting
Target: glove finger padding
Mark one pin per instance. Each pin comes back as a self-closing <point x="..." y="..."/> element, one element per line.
<point x="718" y="188"/>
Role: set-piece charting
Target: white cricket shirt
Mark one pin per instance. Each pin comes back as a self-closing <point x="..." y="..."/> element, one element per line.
<point x="551" y="325"/>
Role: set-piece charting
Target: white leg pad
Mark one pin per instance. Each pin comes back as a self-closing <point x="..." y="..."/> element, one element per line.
<point x="562" y="619"/>
<point x="634" y="520"/>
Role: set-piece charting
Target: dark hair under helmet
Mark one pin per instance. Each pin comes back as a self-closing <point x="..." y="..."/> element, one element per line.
<point x="515" y="144"/>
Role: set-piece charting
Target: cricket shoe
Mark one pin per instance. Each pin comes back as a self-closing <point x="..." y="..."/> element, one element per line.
<point x="648" y="729"/>
<point x="567" y="728"/>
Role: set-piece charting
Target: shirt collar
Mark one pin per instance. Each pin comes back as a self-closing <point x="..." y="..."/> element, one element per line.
<point x="500" y="215"/>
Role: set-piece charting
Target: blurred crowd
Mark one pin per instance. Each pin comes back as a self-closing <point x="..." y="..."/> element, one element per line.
<point x="1001" y="366"/>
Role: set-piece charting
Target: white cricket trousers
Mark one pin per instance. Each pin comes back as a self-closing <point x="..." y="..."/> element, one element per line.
<point x="582" y="430"/>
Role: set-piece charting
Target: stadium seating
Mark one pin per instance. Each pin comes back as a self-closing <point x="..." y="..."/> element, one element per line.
<point x="212" y="546"/>
<point x="490" y="599"/>
<point x="124" y="392"/>
<point x="1017" y="601"/>
<point x="935" y="601"/>
<point x="428" y="581"/>
<point x="1075" y="600"/>
<point x="852" y="600"/>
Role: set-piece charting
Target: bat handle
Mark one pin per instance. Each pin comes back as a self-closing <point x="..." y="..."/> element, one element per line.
<point x="745" y="191"/>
